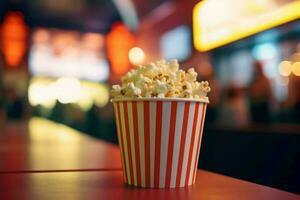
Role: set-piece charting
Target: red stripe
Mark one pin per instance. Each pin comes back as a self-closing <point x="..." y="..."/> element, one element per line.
<point x="171" y="143"/>
<point x="136" y="142"/>
<point x="121" y="143"/>
<point x="187" y="177"/>
<point x="182" y="142"/>
<point x="147" y="142"/>
<point x="128" y="142"/>
<point x="157" y="142"/>
<point x="199" y="142"/>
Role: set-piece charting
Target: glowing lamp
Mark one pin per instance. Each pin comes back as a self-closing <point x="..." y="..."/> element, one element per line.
<point x="118" y="42"/>
<point x="14" y="38"/>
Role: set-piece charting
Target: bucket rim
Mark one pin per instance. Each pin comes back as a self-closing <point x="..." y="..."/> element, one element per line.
<point x="159" y="99"/>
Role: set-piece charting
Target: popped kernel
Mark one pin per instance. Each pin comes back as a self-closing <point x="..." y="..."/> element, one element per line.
<point x="191" y="76"/>
<point x="161" y="95"/>
<point x="116" y="90"/>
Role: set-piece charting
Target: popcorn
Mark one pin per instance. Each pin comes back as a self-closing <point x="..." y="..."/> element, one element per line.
<point x="161" y="79"/>
<point x="191" y="76"/>
<point x="116" y="91"/>
<point x="132" y="91"/>
<point x="161" y="87"/>
<point x="161" y="95"/>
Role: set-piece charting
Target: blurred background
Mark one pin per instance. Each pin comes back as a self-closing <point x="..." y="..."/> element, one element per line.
<point x="58" y="59"/>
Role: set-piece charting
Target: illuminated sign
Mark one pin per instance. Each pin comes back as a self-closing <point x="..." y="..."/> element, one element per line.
<point x="217" y="23"/>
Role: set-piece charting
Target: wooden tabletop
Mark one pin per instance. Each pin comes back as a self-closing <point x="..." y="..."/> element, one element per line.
<point x="52" y="164"/>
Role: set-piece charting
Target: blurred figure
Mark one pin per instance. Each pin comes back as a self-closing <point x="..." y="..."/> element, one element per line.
<point x="234" y="110"/>
<point x="14" y="105"/>
<point x="58" y="113"/>
<point x="75" y="117"/>
<point x="260" y="96"/>
<point x="292" y="105"/>
<point x="2" y="106"/>
<point x="108" y="127"/>
<point x="93" y="121"/>
<point x="206" y="73"/>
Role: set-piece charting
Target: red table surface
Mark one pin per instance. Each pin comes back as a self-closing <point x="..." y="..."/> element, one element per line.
<point x="44" y="160"/>
<point x="109" y="185"/>
<point x="44" y="145"/>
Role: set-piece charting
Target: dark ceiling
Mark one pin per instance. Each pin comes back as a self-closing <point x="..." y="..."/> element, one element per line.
<point x="83" y="15"/>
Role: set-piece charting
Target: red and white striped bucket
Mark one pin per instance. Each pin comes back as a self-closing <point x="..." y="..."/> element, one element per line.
<point x="159" y="140"/>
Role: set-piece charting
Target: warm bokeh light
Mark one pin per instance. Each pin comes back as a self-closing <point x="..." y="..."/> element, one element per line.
<point x="296" y="68"/>
<point x="92" y="41"/>
<point x="93" y="93"/>
<point x="216" y="23"/>
<point x="119" y="41"/>
<point x="41" y="94"/>
<point x="14" y="34"/>
<point x="60" y="53"/>
<point x="136" y="55"/>
<point x="285" y="68"/>
<point x="46" y="91"/>
<point x="67" y="90"/>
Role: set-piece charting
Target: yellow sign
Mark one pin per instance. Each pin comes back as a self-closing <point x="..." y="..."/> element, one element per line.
<point x="217" y="23"/>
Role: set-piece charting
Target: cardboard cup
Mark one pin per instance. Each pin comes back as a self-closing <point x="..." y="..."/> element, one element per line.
<point x="160" y="140"/>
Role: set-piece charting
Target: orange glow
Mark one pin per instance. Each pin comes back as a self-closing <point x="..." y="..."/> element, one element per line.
<point x="14" y="38"/>
<point x="119" y="41"/>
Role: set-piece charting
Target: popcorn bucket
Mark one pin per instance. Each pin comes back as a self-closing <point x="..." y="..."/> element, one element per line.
<point x="160" y="140"/>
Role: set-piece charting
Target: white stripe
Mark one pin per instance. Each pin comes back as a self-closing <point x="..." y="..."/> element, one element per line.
<point x="131" y="134"/>
<point x="195" y="144"/>
<point x="125" y="141"/>
<point x="119" y="137"/>
<point x="166" y="115"/>
<point x="177" y="137"/>
<point x="201" y="134"/>
<point x="152" y="140"/>
<point x="187" y="143"/>
<point x="140" y="113"/>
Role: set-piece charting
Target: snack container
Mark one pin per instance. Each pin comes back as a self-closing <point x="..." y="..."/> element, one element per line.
<point x="160" y="140"/>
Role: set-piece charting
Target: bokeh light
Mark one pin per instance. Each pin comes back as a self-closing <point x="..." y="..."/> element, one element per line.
<point x="41" y="94"/>
<point x="84" y="94"/>
<point x="60" y="53"/>
<point x="285" y="68"/>
<point x="296" y="68"/>
<point x="136" y="55"/>
<point x="67" y="90"/>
